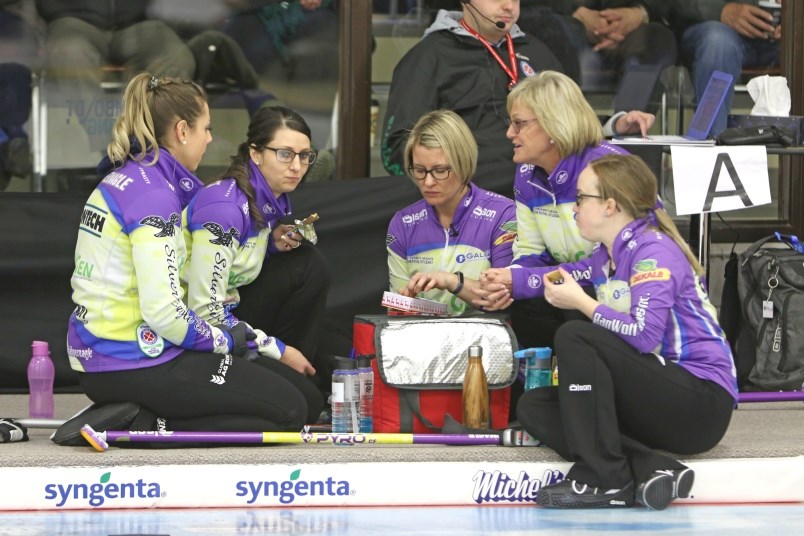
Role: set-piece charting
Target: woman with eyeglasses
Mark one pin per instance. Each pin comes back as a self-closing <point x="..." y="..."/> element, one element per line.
<point x="652" y="371"/>
<point x="555" y="134"/>
<point x="247" y="266"/>
<point x="147" y="360"/>
<point x="438" y="246"/>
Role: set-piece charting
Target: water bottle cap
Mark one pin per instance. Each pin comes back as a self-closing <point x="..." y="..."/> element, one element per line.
<point x="345" y="363"/>
<point x="40" y="348"/>
<point x="364" y="361"/>
<point x="543" y="352"/>
<point x="475" y="350"/>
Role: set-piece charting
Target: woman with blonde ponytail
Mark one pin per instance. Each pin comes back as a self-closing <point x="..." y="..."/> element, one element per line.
<point x="652" y="371"/>
<point x="145" y="358"/>
<point x="247" y="266"/>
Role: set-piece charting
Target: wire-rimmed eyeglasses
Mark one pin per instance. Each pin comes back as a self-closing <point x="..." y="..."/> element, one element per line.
<point x="517" y="124"/>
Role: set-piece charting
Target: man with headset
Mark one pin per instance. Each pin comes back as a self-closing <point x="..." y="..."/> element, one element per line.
<point x="467" y="62"/>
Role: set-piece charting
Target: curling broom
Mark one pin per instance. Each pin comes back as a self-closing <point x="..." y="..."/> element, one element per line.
<point x="101" y="440"/>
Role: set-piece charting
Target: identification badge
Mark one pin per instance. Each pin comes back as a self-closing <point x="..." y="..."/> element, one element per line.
<point x="767" y="309"/>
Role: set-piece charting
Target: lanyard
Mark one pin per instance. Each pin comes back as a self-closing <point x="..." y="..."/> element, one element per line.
<point x="511" y="71"/>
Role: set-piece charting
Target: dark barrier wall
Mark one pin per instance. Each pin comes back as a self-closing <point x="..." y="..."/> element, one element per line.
<point x="37" y="242"/>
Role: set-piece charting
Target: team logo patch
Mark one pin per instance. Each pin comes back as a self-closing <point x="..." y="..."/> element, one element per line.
<point x="534" y="281"/>
<point x="527" y="70"/>
<point x="646" y="270"/>
<point x="186" y="184"/>
<point x="389" y="239"/>
<point x="562" y="177"/>
<point x="149" y="342"/>
<point x="224" y="238"/>
<point x="627" y="234"/>
<point x="166" y="228"/>
<point x="268" y="209"/>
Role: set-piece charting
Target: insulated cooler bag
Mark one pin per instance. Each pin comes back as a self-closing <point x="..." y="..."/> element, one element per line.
<point x="420" y="364"/>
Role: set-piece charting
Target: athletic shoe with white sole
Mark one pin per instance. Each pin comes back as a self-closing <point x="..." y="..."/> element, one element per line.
<point x="665" y="486"/>
<point x="573" y="494"/>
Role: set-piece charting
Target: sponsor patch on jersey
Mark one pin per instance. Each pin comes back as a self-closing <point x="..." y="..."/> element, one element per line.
<point x="527" y="70"/>
<point x="503" y="238"/>
<point x="149" y="342"/>
<point x="647" y="270"/>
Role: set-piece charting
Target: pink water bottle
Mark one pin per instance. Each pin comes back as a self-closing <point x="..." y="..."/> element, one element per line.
<point x="40" y="382"/>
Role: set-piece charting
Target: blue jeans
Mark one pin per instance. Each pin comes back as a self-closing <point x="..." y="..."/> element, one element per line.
<point x="713" y="46"/>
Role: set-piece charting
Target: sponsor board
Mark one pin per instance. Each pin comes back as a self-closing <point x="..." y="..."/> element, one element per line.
<point x="355" y="484"/>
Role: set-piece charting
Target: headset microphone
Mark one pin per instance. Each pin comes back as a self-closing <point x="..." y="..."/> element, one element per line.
<point x="499" y="24"/>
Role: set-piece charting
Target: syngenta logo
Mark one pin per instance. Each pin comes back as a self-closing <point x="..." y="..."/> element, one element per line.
<point x="287" y="490"/>
<point x="500" y="487"/>
<point x="104" y="490"/>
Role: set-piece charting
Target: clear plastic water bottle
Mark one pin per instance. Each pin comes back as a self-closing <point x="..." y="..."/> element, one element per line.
<point x="537" y="366"/>
<point x="345" y="394"/>
<point x="366" y="379"/>
<point x="40" y="382"/>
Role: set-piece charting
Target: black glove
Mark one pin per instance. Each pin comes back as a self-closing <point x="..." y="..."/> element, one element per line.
<point x="240" y="335"/>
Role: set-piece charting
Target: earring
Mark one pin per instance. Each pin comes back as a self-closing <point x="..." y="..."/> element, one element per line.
<point x="184" y="142"/>
<point x="259" y="163"/>
<point x="552" y="142"/>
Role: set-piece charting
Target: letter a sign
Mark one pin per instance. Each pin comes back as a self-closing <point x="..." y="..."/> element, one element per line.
<point x="719" y="179"/>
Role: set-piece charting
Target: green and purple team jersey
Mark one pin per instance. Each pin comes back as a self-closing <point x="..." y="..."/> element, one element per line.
<point x="480" y="237"/>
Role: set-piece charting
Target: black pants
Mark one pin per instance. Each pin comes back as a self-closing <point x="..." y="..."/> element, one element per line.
<point x="614" y="405"/>
<point x="254" y="396"/>
<point x="288" y="299"/>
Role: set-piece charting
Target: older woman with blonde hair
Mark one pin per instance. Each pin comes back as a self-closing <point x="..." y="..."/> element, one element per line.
<point x="438" y="246"/>
<point x="555" y="134"/>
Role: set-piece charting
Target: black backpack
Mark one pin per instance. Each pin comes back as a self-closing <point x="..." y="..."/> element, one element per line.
<point x="762" y="313"/>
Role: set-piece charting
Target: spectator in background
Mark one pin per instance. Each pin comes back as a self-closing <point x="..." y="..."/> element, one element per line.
<point x="84" y="35"/>
<point x="723" y="36"/>
<point x="600" y="36"/>
<point x="467" y="62"/>
<point x="18" y="52"/>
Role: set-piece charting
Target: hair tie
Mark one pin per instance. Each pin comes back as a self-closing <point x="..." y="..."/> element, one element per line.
<point x="650" y="217"/>
<point x="153" y="83"/>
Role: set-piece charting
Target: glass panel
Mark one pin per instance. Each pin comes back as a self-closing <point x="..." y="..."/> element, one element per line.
<point x="247" y="53"/>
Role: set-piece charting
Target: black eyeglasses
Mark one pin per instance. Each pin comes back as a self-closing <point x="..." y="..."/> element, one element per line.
<point x="579" y="197"/>
<point x="286" y="156"/>
<point x="518" y="123"/>
<point x="438" y="173"/>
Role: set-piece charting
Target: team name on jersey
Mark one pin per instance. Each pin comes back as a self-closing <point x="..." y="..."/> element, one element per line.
<point x="118" y="180"/>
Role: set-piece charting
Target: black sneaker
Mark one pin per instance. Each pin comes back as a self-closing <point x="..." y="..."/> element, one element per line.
<point x="573" y="494"/>
<point x="116" y="416"/>
<point x="665" y="486"/>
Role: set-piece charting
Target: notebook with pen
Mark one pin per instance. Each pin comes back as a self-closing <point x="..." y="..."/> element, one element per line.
<point x="702" y="120"/>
